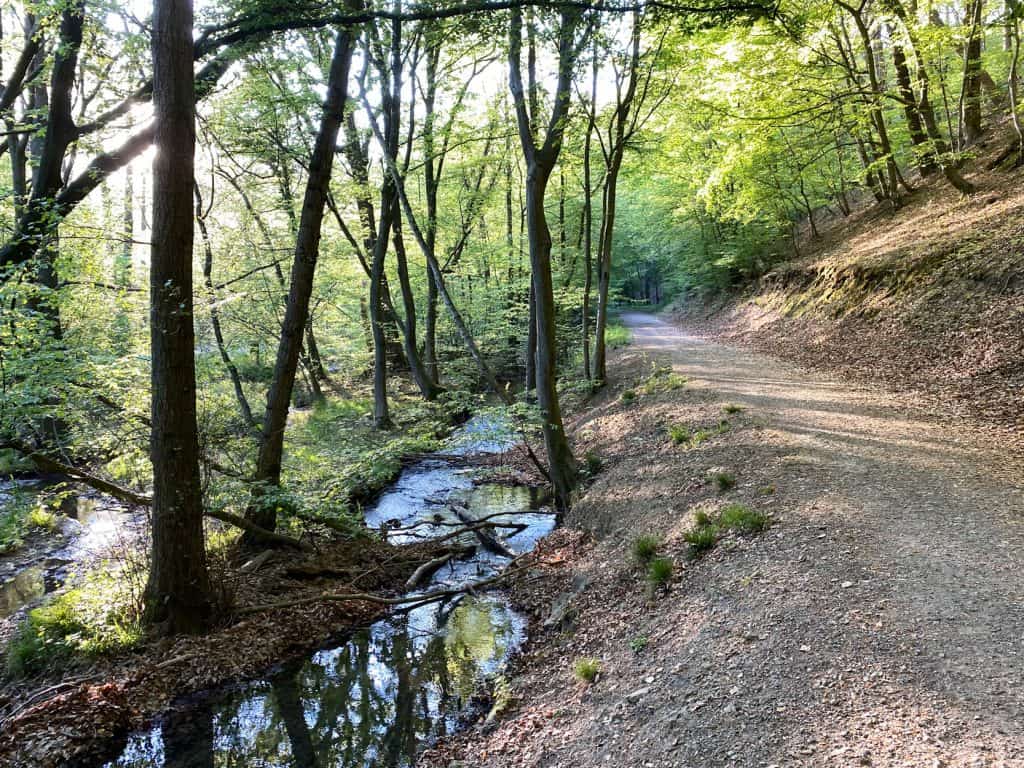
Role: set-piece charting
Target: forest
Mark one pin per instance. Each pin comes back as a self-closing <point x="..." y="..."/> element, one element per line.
<point x="304" y="306"/>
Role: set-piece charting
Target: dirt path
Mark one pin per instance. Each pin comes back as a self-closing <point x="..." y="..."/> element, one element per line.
<point x="880" y="621"/>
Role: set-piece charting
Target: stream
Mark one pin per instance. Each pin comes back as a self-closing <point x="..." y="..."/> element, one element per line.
<point x="100" y="529"/>
<point x="377" y="698"/>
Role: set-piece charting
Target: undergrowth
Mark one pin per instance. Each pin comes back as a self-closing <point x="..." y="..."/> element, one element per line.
<point x="100" y="616"/>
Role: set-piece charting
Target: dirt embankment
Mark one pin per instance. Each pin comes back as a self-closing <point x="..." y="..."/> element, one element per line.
<point x="927" y="301"/>
<point x="876" y="622"/>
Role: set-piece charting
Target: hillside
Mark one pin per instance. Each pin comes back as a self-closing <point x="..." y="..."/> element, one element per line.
<point x="928" y="300"/>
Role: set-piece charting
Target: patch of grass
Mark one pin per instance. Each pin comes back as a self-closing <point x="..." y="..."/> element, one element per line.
<point x="680" y="433"/>
<point x="628" y="396"/>
<point x="659" y="571"/>
<point x="702" y="518"/>
<point x="93" y="620"/>
<point x="738" y="517"/>
<point x="644" y="548"/>
<point x="662" y="379"/>
<point x="732" y="408"/>
<point x="702" y="538"/>
<point x="592" y="463"/>
<point x="21" y="512"/>
<point x="587" y="670"/>
<point x="767" y="490"/>
<point x="700" y="436"/>
<point x="616" y="335"/>
<point x="638" y="644"/>
<point x="723" y="481"/>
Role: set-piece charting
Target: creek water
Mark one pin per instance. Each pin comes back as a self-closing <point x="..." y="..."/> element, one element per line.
<point x="375" y="699"/>
<point x="100" y="529"/>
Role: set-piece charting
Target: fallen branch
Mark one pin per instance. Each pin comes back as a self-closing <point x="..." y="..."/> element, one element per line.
<point x="422" y="573"/>
<point x="260" y="534"/>
<point x="367" y="597"/>
<point x="490" y="542"/>
<point x="45" y="463"/>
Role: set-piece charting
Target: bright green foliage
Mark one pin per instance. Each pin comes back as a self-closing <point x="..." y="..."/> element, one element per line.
<point x="680" y="433"/>
<point x="737" y="517"/>
<point x="99" y="617"/>
<point x="587" y="670"/>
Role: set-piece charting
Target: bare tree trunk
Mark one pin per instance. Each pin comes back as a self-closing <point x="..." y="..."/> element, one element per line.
<point x="588" y="218"/>
<point x="919" y="138"/>
<point x="970" y="94"/>
<point x="307" y="244"/>
<point x="178" y="594"/>
<point x="540" y="161"/>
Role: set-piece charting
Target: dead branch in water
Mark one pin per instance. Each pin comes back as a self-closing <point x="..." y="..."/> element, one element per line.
<point x="367" y="597"/>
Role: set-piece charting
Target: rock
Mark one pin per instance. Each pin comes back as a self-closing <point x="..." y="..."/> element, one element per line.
<point x="638" y="694"/>
<point x="69" y="528"/>
<point x="561" y="607"/>
<point x="847" y="584"/>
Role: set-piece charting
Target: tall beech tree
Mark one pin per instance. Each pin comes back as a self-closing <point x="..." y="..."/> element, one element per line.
<point x="178" y="595"/>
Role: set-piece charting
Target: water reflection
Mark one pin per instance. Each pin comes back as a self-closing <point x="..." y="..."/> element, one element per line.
<point x="373" y="701"/>
<point x="369" y="703"/>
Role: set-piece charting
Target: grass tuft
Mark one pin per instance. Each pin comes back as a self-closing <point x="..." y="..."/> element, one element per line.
<point x="702" y="538"/>
<point x="732" y="408"/>
<point x="659" y="571"/>
<point x="593" y="463"/>
<point x="723" y="481"/>
<point x="587" y="670"/>
<point x="738" y="517"/>
<point x="638" y="644"/>
<point x="644" y="548"/>
<point x="628" y="397"/>
<point x="680" y="433"/>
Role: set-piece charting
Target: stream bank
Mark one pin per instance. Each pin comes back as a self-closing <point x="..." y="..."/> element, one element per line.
<point x="408" y="677"/>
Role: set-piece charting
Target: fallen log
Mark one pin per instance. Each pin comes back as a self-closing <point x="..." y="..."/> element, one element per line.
<point x="489" y="541"/>
<point x="430" y="567"/>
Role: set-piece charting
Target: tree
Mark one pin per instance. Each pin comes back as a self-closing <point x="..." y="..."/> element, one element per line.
<point x="307" y="244"/>
<point x="178" y="595"/>
<point x="540" y="157"/>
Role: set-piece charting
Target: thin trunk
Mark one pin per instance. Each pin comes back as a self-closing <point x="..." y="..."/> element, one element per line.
<point x="178" y="593"/>
<point x="924" y="151"/>
<point x="970" y="93"/>
<point x="588" y="218"/>
<point x="211" y="297"/>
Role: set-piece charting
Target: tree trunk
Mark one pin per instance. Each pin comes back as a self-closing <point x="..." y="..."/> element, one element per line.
<point x="178" y="594"/>
<point x="970" y="95"/>
<point x="924" y="151"/>
<point x="540" y="161"/>
<point x="307" y="245"/>
<point x="211" y="297"/>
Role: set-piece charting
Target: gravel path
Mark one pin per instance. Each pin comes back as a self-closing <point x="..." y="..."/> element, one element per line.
<point x="880" y="621"/>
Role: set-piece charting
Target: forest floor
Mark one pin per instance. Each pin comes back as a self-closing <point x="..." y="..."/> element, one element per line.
<point x="877" y="621"/>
